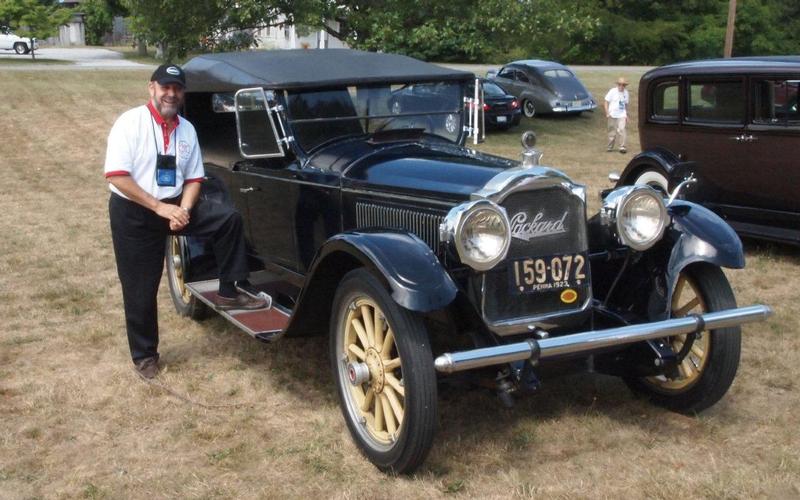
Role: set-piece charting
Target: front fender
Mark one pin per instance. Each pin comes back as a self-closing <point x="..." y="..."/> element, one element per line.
<point x="415" y="276"/>
<point x="699" y="235"/>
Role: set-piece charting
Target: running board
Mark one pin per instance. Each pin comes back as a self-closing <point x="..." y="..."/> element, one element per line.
<point x="267" y="324"/>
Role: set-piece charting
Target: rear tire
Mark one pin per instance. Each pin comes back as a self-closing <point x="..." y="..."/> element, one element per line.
<point x="390" y="409"/>
<point x="21" y="48"/>
<point x="185" y="303"/>
<point x="528" y="108"/>
<point x="708" y="369"/>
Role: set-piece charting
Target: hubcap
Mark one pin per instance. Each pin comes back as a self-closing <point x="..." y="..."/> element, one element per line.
<point x="375" y="395"/>
<point x="686" y="300"/>
<point x="450" y="123"/>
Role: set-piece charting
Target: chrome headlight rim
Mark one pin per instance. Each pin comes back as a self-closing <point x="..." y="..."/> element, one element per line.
<point x="453" y="227"/>
<point x="633" y="195"/>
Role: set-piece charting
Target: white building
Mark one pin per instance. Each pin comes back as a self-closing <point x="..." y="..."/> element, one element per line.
<point x="287" y="37"/>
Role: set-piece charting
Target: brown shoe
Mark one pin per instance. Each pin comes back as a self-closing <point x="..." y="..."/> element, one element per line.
<point x="147" y="367"/>
<point x="241" y="301"/>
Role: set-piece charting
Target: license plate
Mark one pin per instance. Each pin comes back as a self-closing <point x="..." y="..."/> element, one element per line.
<point x="544" y="274"/>
<point x="576" y="104"/>
<point x="502" y="119"/>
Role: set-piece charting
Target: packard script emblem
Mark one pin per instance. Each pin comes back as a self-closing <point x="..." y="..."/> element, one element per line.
<point x="523" y="229"/>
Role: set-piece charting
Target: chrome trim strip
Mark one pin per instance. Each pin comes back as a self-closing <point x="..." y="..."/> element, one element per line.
<point x="417" y="199"/>
<point x="581" y="343"/>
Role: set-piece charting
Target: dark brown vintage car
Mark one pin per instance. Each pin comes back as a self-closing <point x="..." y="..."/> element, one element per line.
<point x="733" y="123"/>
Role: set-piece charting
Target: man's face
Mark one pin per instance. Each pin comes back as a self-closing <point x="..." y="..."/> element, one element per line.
<point x="167" y="99"/>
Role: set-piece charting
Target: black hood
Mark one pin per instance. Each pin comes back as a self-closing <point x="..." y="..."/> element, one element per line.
<point x="436" y="170"/>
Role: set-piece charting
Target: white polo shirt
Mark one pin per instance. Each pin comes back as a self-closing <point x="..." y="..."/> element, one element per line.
<point x="617" y="103"/>
<point x="132" y="151"/>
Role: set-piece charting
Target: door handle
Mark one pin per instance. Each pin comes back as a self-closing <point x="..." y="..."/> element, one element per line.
<point x="248" y="189"/>
<point x="739" y="138"/>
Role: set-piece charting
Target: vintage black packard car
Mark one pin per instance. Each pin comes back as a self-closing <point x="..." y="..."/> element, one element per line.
<point x="420" y="258"/>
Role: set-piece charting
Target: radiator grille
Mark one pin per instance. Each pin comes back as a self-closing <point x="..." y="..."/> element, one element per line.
<point x="422" y="223"/>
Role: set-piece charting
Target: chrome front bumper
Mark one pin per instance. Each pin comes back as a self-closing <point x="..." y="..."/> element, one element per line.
<point x="587" y="342"/>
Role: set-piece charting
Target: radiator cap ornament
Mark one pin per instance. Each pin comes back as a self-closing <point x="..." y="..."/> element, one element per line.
<point x="530" y="156"/>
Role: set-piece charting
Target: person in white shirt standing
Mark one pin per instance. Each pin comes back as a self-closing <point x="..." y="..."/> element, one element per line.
<point x="616" y="107"/>
<point x="154" y="170"/>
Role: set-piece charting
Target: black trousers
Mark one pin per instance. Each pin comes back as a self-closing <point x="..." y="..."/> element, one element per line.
<point x="140" y="236"/>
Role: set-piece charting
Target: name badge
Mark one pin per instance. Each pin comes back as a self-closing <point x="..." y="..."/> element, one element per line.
<point x="166" y="170"/>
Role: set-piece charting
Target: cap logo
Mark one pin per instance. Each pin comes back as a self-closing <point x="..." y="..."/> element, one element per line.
<point x="172" y="70"/>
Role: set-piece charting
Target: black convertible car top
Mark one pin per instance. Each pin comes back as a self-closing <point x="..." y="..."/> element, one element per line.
<point x="302" y="69"/>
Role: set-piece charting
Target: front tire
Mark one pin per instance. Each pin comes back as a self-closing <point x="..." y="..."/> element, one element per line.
<point x="383" y="368"/>
<point x="185" y="303"/>
<point x="709" y="366"/>
<point x="20" y="48"/>
<point x="528" y="108"/>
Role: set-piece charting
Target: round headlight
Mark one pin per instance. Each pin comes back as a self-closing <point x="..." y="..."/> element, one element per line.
<point x="481" y="234"/>
<point x="641" y="218"/>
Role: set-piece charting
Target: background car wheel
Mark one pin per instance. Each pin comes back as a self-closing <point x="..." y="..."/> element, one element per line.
<point x="710" y="359"/>
<point x="20" y="48"/>
<point x="655" y="179"/>
<point x="528" y="108"/>
<point x="383" y="367"/>
<point x="451" y="123"/>
<point x="185" y="303"/>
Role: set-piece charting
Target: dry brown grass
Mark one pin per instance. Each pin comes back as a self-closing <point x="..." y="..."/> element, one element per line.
<point x="76" y="422"/>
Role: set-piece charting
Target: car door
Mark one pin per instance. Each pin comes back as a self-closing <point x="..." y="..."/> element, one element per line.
<point x="772" y="137"/>
<point x="270" y="195"/>
<point x="713" y="128"/>
<point x="5" y="39"/>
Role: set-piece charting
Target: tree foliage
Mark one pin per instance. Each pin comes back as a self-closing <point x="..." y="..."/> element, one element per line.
<point x="572" y="31"/>
<point x="98" y="20"/>
<point x="34" y="19"/>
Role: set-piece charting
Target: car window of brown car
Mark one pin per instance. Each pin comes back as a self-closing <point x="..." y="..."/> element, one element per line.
<point x="664" y="99"/>
<point x="715" y="102"/>
<point x="523" y="77"/>
<point x="775" y="102"/>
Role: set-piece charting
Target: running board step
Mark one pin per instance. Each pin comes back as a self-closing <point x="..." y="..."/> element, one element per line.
<point x="266" y="324"/>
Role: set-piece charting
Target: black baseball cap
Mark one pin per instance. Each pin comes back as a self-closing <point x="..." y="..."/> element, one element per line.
<point x="169" y="73"/>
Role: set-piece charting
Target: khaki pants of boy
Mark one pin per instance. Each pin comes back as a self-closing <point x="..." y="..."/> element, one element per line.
<point x="616" y="131"/>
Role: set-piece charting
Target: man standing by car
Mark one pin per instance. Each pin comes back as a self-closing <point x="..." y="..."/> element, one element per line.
<point x="616" y="107"/>
<point x="154" y="169"/>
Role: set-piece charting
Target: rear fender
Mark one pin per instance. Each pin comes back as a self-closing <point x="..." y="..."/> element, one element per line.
<point x="415" y="277"/>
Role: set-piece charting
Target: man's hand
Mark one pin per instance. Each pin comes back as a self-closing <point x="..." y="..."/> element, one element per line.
<point x="177" y="217"/>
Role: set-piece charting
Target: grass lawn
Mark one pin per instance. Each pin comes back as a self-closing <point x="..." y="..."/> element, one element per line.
<point x="234" y="418"/>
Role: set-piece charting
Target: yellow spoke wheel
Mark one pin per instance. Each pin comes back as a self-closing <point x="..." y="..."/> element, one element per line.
<point x="686" y="299"/>
<point x="369" y="342"/>
<point x="176" y="265"/>
<point x="383" y="367"/>
<point x="708" y="360"/>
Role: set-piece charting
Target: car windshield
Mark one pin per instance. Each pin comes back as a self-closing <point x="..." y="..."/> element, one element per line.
<point x="320" y="117"/>
<point x="492" y="90"/>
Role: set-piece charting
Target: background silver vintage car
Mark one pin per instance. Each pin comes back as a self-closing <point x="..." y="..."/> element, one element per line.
<point x="543" y="87"/>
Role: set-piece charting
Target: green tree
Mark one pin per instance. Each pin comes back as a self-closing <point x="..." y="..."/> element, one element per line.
<point x="33" y="18"/>
<point x="98" y="20"/>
